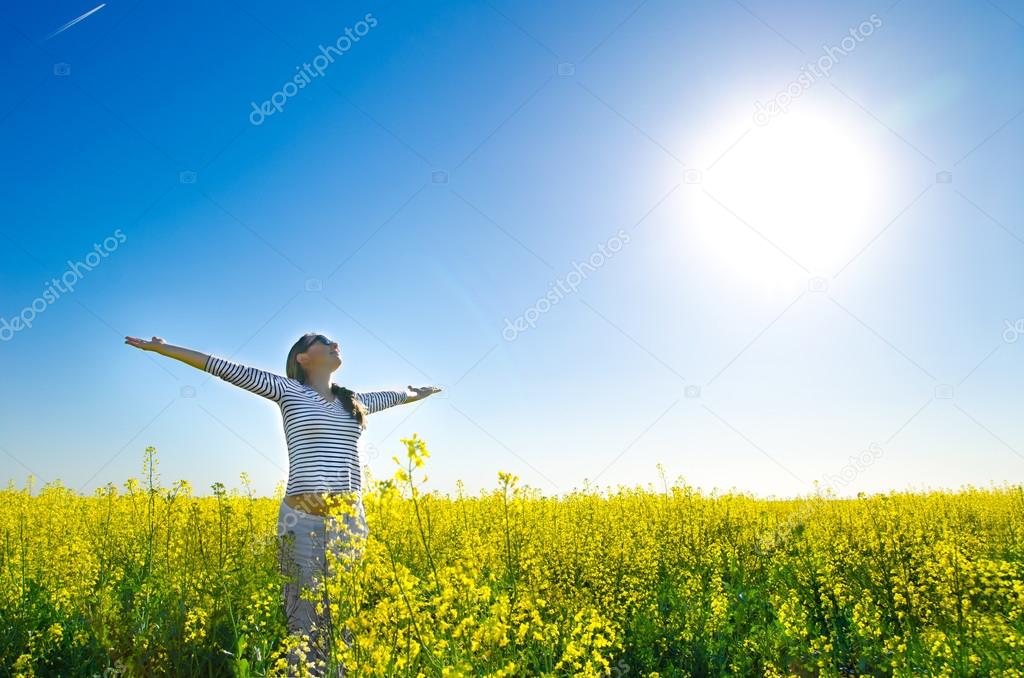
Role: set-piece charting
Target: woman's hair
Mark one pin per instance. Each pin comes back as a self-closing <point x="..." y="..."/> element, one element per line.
<point x="346" y="396"/>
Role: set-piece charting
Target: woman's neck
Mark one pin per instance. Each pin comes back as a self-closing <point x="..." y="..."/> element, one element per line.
<point x="320" y="383"/>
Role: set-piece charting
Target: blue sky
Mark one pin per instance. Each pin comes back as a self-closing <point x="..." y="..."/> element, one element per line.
<point x="770" y="297"/>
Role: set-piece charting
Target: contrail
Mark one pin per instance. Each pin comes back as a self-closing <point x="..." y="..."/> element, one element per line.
<point x="75" y="21"/>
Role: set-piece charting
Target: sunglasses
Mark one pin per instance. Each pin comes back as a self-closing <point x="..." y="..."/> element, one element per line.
<point x="321" y="338"/>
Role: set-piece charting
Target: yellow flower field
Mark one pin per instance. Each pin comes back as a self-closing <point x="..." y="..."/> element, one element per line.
<point x="644" y="582"/>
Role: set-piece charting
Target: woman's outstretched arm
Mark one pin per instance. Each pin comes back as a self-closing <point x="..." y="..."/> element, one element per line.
<point x="375" y="401"/>
<point x="261" y="382"/>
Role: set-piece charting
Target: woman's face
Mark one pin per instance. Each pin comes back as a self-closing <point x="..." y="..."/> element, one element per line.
<point x="321" y="355"/>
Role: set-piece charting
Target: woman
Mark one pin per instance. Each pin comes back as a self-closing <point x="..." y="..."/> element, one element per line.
<point x="322" y="423"/>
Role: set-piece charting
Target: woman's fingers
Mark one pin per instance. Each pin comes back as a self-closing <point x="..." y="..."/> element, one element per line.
<point x="142" y="343"/>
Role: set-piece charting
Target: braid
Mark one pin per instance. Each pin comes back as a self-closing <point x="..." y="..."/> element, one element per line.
<point x="350" y="403"/>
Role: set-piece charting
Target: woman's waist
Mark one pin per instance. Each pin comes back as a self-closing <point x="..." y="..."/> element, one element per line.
<point x="320" y="503"/>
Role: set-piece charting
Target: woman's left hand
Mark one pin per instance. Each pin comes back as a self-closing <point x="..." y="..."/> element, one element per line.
<point x="421" y="393"/>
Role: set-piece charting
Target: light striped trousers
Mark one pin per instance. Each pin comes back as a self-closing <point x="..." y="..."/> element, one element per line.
<point x="303" y="540"/>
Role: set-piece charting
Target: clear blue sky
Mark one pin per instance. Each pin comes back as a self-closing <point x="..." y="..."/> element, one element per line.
<point x="793" y="291"/>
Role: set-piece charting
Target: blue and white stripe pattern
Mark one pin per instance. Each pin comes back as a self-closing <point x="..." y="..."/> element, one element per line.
<point x="322" y="437"/>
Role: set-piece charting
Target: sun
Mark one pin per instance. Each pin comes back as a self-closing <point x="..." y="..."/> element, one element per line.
<point x="789" y="198"/>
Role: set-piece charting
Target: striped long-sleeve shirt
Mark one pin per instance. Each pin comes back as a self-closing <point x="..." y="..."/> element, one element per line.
<point x="322" y="437"/>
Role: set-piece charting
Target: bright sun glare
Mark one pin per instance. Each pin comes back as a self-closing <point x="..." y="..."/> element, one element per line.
<point x="802" y="183"/>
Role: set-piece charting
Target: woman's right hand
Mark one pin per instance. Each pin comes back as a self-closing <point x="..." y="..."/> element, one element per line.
<point x="152" y="345"/>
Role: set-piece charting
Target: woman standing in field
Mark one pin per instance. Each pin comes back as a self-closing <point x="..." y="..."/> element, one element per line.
<point x="322" y="423"/>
